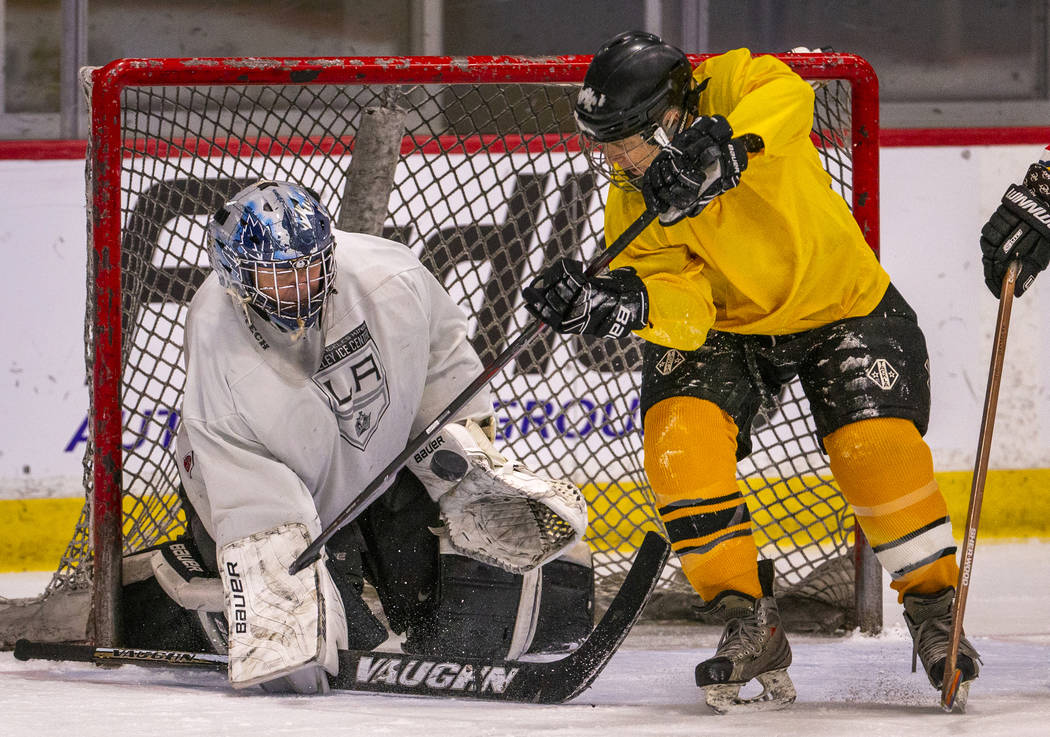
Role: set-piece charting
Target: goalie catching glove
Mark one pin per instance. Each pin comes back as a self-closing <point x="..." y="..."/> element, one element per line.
<point x="494" y="509"/>
<point x="610" y="305"/>
<point x="701" y="163"/>
<point x="1019" y="230"/>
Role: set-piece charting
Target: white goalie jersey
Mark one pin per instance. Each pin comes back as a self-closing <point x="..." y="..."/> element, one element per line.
<point x="282" y="428"/>
<point x="279" y="430"/>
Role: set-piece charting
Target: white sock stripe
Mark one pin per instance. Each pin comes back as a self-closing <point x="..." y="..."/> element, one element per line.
<point x="919" y="550"/>
<point x="902" y="502"/>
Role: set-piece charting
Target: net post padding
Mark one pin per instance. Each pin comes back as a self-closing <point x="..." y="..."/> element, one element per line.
<point x="486" y="184"/>
<point x="370" y="178"/>
<point x="867" y="589"/>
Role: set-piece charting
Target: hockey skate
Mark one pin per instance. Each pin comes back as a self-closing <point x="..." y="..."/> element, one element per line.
<point x="929" y="618"/>
<point x="753" y="646"/>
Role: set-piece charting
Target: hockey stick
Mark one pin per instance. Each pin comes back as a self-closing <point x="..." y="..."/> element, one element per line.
<point x="395" y="673"/>
<point x="370" y="493"/>
<point x="952" y="674"/>
<point x="532" y="329"/>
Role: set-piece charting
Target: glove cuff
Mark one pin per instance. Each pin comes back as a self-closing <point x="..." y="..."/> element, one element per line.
<point x="633" y="314"/>
<point x="1025" y="204"/>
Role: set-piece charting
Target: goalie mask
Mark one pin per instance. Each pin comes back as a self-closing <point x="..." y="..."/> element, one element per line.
<point x="630" y="85"/>
<point x="272" y="247"/>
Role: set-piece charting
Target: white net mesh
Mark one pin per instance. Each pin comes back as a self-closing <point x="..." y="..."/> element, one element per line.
<point x="490" y="185"/>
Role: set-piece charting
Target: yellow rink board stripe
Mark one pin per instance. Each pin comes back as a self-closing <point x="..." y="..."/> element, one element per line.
<point x="34" y="532"/>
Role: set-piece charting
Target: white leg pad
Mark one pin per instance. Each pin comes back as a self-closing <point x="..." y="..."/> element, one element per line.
<point x="284" y="630"/>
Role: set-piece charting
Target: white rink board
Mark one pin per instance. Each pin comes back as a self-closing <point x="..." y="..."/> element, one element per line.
<point x="933" y="200"/>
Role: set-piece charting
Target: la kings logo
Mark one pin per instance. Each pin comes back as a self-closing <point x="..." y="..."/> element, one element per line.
<point x="354" y="379"/>
<point x="430" y="675"/>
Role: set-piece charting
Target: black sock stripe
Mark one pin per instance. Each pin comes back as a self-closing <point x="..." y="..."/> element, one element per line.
<point x="703" y="525"/>
<point x="681" y="503"/>
<point x="925" y="561"/>
<point x="718" y="541"/>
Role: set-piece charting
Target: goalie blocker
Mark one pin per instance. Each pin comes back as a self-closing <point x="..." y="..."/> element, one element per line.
<point x="442" y="601"/>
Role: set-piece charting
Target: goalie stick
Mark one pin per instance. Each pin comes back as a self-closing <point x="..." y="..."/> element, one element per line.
<point x="373" y="671"/>
<point x="752" y="142"/>
<point x="952" y="691"/>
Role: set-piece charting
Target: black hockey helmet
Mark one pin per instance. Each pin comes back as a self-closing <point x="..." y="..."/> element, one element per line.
<point x="631" y="81"/>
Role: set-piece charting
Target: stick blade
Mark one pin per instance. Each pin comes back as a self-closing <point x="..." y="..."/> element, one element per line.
<point x="551" y="682"/>
<point x="949" y="696"/>
<point x="587" y="662"/>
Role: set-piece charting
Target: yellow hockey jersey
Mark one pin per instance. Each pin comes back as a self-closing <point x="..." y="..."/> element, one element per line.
<point x="780" y="253"/>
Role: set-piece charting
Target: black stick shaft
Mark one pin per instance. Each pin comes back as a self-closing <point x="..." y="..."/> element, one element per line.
<point x="27" y="650"/>
<point x="532" y="329"/>
<point x="752" y="142"/>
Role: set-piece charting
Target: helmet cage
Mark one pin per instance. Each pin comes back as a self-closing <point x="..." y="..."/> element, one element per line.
<point x="639" y="147"/>
<point x="296" y="291"/>
<point x="261" y="242"/>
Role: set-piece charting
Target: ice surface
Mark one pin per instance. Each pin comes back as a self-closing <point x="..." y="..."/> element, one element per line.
<point x="853" y="685"/>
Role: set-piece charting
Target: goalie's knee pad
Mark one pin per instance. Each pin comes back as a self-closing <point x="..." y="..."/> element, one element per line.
<point x="566" y="609"/>
<point x="171" y="601"/>
<point x="484" y="611"/>
<point x="345" y="564"/>
<point x="474" y="615"/>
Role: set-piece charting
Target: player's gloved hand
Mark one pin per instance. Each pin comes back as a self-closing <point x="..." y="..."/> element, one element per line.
<point x="1019" y="229"/>
<point x="701" y="163"/>
<point x="609" y="305"/>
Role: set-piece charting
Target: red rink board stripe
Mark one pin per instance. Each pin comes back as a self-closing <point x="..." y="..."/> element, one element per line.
<point x="38" y="150"/>
<point x="328" y="145"/>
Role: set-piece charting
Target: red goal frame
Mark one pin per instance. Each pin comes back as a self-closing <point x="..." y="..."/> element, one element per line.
<point x="104" y="223"/>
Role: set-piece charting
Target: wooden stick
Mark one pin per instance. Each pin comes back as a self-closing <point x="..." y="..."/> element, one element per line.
<point x="952" y="675"/>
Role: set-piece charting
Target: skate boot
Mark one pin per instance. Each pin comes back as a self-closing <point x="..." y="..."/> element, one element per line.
<point x="753" y="646"/>
<point x="929" y="618"/>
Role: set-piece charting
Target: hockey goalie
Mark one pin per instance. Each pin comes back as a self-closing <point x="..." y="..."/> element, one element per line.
<point x="312" y="356"/>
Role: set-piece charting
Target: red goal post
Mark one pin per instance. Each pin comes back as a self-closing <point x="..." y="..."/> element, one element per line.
<point x="486" y="183"/>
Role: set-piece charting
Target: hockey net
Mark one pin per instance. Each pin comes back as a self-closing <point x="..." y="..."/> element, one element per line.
<point x="473" y="164"/>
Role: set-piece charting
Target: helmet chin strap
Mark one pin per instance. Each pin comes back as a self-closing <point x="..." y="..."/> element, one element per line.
<point x="300" y="331"/>
<point x="242" y="301"/>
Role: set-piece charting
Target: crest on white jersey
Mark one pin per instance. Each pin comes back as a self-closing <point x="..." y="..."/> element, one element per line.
<point x="353" y="378"/>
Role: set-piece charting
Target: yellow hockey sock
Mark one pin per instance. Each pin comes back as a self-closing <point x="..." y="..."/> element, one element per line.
<point x="690" y="459"/>
<point x="885" y="471"/>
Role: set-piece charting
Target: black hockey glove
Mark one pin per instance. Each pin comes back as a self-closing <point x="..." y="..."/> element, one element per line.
<point x="701" y="163"/>
<point x="1019" y="229"/>
<point x="610" y="305"/>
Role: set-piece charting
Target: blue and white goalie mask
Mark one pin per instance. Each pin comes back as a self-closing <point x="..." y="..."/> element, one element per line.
<point x="272" y="247"/>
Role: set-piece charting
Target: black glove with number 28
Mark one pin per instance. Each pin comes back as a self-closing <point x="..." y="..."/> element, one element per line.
<point x="609" y="305"/>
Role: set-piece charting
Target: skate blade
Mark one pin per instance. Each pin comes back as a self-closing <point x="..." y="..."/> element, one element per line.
<point x="777" y="692"/>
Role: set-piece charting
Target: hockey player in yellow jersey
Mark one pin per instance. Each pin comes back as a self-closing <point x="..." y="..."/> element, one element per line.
<point x="755" y="273"/>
